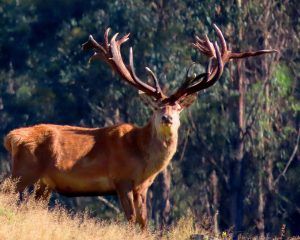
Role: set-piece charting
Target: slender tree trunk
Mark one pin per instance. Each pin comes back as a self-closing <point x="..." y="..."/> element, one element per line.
<point x="166" y="205"/>
<point x="165" y="209"/>
<point x="261" y="205"/>
<point x="268" y="162"/>
<point x="215" y="208"/>
<point x="161" y="206"/>
<point x="237" y="168"/>
<point x="262" y="162"/>
<point x="236" y="175"/>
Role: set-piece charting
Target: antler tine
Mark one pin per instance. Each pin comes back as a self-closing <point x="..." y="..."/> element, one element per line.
<point x="123" y="39"/>
<point x="195" y="79"/>
<point x="109" y="52"/>
<point x="192" y="79"/>
<point x="189" y="69"/>
<point x="134" y="80"/>
<point x="187" y="89"/>
<point x="209" y="79"/>
<point x="156" y="83"/>
<point x="92" y="44"/>
<point x="146" y="88"/>
<point x="116" y="58"/>
<point x="205" y="46"/>
<point x="210" y="46"/>
<point x="232" y="55"/>
<point x="212" y="79"/>
<point x="251" y="54"/>
<point x="106" y="43"/>
<point x="222" y="39"/>
<point x="205" y="75"/>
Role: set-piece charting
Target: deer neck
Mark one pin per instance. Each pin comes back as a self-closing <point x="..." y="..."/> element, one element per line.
<point x="160" y="145"/>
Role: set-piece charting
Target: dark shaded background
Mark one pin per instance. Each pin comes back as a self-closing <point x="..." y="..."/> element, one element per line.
<point x="237" y="161"/>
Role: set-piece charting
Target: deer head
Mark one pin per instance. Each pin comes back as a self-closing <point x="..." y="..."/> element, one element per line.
<point x="168" y="108"/>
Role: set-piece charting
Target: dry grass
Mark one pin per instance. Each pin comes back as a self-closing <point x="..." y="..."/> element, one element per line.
<point x="33" y="220"/>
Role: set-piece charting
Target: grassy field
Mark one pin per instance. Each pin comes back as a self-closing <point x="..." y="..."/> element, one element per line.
<point x="33" y="220"/>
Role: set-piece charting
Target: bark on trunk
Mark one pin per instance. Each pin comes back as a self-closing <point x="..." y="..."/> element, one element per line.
<point x="236" y="175"/>
<point x="261" y="205"/>
<point x="161" y="206"/>
<point x="215" y="208"/>
<point x="165" y="210"/>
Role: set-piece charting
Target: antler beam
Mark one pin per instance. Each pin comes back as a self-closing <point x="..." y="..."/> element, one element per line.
<point x="110" y="52"/>
<point x="211" y="50"/>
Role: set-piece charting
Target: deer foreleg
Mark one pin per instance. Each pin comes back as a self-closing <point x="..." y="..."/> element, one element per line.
<point x="140" y="204"/>
<point x="125" y="194"/>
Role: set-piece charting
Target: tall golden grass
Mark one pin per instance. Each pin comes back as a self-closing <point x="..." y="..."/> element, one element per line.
<point x="32" y="220"/>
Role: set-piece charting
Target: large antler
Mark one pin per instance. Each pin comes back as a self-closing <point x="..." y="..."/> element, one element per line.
<point x="211" y="50"/>
<point x="110" y="53"/>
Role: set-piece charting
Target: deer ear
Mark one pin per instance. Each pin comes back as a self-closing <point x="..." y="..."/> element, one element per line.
<point x="148" y="100"/>
<point x="187" y="101"/>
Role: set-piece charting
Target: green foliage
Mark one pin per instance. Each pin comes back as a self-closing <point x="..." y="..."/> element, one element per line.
<point x="283" y="79"/>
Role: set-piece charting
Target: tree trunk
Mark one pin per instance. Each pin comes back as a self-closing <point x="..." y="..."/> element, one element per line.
<point x="215" y="208"/>
<point x="236" y="175"/>
<point x="161" y="207"/>
<point x="261" y="205"/>
<point x="165" y="209"/>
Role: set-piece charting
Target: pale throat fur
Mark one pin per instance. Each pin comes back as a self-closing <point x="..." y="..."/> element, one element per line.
<point x="161" y="145"/>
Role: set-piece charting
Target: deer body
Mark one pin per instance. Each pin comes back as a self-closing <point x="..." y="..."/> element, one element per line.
<point x="122" y="159"/>
<point x="88" y="161"/>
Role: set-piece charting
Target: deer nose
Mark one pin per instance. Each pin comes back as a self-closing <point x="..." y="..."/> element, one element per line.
<point x="166" y="119"/>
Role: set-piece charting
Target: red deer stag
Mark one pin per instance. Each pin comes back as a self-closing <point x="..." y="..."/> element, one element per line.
<point x="122" y="159"/>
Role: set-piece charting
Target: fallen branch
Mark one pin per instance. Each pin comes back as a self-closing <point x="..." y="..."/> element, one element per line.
<point x="282" y="174"/>
<point x="109" y="204"/>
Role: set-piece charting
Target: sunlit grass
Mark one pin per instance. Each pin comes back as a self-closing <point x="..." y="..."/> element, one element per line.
<point x="33" y="220"/>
